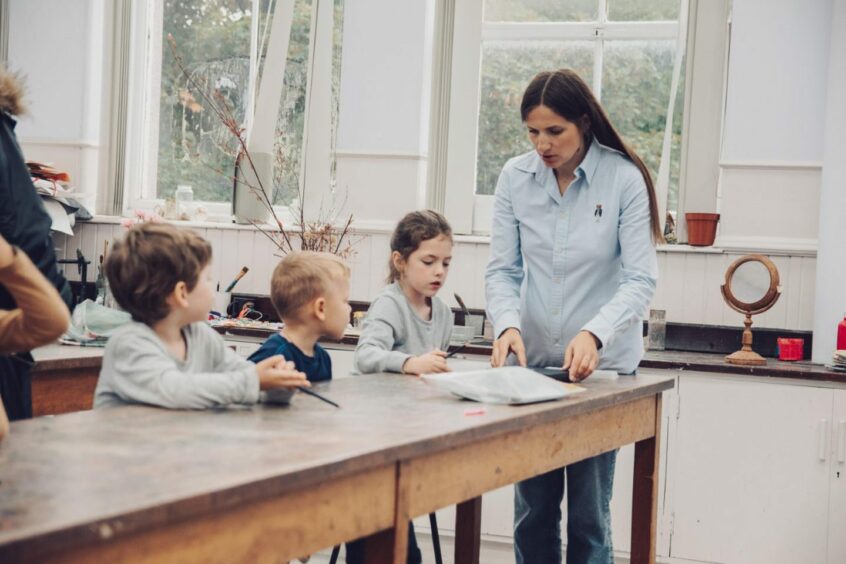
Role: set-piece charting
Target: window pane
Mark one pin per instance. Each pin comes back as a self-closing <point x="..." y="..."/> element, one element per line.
<point x="507" y="68"/>
<point x="213" y="39"/>
<point x="635" y="90"/>
<point x="540" y="10"/>
<point x="290" y="124"/>
<point x="675" y="157"/>
<point x="290" y="121"/>
<point x="643" y="10"/>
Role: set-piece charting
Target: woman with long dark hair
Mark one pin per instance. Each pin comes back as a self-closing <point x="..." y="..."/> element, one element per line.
<point x="572" y="271"/>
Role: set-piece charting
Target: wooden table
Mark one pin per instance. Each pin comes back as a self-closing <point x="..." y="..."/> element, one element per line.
<point x="271" y="484"/>
<point x="64" y="378"/>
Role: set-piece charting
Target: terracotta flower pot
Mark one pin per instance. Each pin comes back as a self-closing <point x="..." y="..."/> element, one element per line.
<point x="701" y="228"/>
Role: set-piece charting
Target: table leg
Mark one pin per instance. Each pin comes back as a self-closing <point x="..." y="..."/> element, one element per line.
<point x="468" y="528"/>
<point x="383" y="546"/>
<point x="645" y="494"/>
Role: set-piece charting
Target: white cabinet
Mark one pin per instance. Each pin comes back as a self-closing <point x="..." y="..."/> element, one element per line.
<point x="837" y="479"/>
<point x="343" y="357"/>
<point x="244" y="346"/>
<point x="749" y="471"/>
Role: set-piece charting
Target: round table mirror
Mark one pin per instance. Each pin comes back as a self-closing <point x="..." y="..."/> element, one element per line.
<point x="751" y="287"/>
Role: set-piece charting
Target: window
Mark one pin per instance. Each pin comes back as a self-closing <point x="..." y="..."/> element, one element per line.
<point x="625" y="49"/>
<point x="222" y="46"/>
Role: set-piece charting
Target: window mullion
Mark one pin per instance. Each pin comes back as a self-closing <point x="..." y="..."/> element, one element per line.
<point x="597" y="65"/>
<point x="255" y="20"/>
<point x="534" y="31"/>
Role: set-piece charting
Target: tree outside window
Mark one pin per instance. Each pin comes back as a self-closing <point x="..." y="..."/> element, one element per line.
<point x="213" y="39"/>
<point x="631" y="74"/>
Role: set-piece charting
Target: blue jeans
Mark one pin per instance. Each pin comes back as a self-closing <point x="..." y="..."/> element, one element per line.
<point x="537" y="514"/>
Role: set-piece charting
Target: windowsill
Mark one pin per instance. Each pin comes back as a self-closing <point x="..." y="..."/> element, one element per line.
<point x="369" y="227"/>
<point x="207" y="224"/>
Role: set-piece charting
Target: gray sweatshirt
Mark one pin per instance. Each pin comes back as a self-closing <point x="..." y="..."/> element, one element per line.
<point x="393" y="332"/>
<point x="138" y="368"/>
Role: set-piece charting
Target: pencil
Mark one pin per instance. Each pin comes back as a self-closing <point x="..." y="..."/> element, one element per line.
<point x="238" y="276"/>
<point x="318" y="396"/>
<point x="459" y="349"/>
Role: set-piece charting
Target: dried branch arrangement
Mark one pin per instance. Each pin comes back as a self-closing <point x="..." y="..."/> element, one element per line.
<point x="324" y="233"/>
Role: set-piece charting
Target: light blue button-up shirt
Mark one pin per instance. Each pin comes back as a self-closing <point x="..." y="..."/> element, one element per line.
<point x="581" y="261"/>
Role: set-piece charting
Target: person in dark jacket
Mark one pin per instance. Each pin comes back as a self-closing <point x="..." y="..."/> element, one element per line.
<point x="24" y="223"/>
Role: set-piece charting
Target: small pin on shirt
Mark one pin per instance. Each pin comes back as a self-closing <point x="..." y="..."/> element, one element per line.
<point x="598" y="212"/>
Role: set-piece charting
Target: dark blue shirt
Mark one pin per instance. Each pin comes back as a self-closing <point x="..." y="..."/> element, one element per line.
<point x="316" y="368"/>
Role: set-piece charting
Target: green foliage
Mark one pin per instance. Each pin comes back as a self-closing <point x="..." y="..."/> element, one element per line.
<point x="636" y="78"/>
<point x="643" y="10"/>
<point x="540" y="10"/>
<point x="213" y="40"/>
<point x="507" y="67"/>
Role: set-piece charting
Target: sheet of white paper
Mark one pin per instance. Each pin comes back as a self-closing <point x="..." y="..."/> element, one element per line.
<point x="465" y="364"/>
<point x="512" y="385"/>
<point x="61" y="220"/>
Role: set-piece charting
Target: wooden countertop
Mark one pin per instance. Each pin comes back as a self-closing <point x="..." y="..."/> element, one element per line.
<point x="74" y="479"/>
<point x="710" y="362"/>
<point x="56" y="356"/>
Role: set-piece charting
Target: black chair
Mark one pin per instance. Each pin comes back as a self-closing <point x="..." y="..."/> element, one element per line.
<point x="436" y="543"/>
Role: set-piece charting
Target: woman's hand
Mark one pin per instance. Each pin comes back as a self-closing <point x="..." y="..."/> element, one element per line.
<point x="582" y="356"/>
<point x="509" y="341"/>
<point x="428" y="363"/>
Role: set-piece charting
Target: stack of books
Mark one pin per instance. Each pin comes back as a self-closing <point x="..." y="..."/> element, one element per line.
<point x="838" y="362"/>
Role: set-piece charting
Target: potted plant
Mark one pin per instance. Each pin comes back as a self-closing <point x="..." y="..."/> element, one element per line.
<point x="701" y="228"/>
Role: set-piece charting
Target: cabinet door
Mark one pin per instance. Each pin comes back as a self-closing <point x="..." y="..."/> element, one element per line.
<point x="343" y="360"/>
<point x="621" y="501"/>
<point x="750" y="482"/>
<point x="837" y="504"/>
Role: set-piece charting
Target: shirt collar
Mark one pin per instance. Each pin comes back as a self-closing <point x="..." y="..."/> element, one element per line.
<point x="533" y="164"/>
<point x="590" y="162"/>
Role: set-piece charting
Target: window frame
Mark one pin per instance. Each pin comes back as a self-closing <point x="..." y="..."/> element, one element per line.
<point x="462" y="138"/>
<point x="141" y="131"/>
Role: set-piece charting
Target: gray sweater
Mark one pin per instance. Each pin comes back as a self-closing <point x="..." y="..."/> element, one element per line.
<point x="393" y="332"/>
<point x="137" y="368"/>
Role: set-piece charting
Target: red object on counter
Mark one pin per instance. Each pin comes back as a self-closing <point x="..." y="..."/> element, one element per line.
<point x="841" y="335"/>
<point x="790" y="349"/>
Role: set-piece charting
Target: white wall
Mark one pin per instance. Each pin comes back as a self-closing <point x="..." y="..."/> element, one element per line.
<point x="775" y="108"/>
<point x="774" y="123"/>
<point x="384" y="107"/>
<point x="688" y="289"/>
<point x="830" y="302"/>
<point x="57" y="45"/>
<point x="53" y="60"/>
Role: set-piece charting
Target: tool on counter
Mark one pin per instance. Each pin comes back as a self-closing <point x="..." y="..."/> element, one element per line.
<point x="82" y="267"/>
<point x="318" y="396"/>
<point x="460" y="348"/>
<point x="554" y="372"/>
<point x="238" y="276"/>
<point x="461" y="305"/>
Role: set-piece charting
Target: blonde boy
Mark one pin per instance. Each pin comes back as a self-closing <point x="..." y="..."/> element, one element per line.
<point x="168" y="356"/>
<point x="310" y="292"/>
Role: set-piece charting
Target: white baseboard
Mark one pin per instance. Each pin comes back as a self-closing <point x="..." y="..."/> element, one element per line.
<point x="493" y="550"/>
